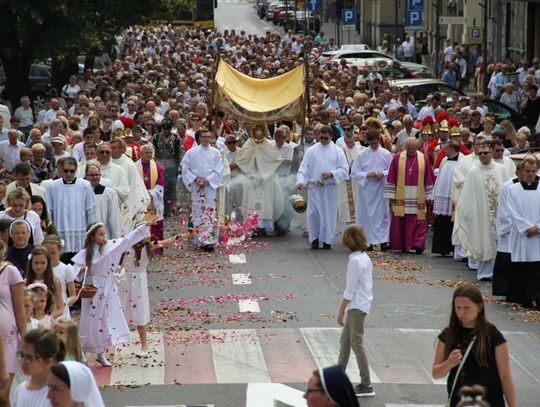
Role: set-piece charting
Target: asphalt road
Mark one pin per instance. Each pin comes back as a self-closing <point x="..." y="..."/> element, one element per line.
<point x="206" y="349"/>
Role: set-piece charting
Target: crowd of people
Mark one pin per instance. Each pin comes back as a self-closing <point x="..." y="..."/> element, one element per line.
<point x="87" y="182"/>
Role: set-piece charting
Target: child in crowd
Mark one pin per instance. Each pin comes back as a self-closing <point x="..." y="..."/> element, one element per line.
<point x="40" y="271"/>
<point x="64" y="272"/>
<point x="43" y="303"/>
<point x="29" y="300"/>
<point x="133" y="290"/>
<point x="18" y="252"/>
<point x="39" y="350"/>
<point x="67" y="332"/>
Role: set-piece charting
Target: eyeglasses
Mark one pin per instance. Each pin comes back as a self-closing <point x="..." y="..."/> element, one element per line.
<point x="484" y="153"/>
<point x="26" y="358"/>
<point x="104" y="152"/>
<point x="499" y="150"/>
<point x="230" y="142"/>
<point x="69" y="171"/>
<point x="324" y="138"/>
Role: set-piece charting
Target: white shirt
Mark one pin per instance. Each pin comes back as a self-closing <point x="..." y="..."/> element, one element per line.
<point x="11" y="154"/>
<point x="359" y="285"/>
<point x="25" y="115"/>
<point x="35" y="398"/>
<point x="50" y="115"/>
<point x="286" y="151"/>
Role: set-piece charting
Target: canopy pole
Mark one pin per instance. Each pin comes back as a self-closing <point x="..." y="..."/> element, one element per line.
<point x="307" y="87"/>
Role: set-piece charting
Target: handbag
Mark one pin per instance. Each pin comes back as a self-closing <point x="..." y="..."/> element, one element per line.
<point x="459" y="370"/>
<point x="85" y="290"/>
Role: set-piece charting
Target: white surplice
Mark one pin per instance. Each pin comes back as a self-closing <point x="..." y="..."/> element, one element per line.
<point x="442" y="190"/>
<point x="524" y="210"/>
<point x="207" y="163"/>
<point x="509" y="165"/>
<point x="477" y="214"/>
<point x="119" y="180"/>
<point x="348" y="190"/>
<point x="102" y="318"/>
<point x="108" y="211"/>
<point x="503" y="223"/>
<point x="139" y="198"/>
<point x="372" y="210"/>
<point x="323" y="194"/>
<point x="72" y="208"/>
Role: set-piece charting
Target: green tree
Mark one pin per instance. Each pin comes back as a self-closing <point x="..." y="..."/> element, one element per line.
<point x="63" y="29"/>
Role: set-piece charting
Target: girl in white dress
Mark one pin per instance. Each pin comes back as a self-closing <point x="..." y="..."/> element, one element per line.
<point x="42" y="305"/>
<point x="39" y="350"/>
<point x="133" y="289"/>
<point x="102" y="320"/>
<point x="64" y="272"/>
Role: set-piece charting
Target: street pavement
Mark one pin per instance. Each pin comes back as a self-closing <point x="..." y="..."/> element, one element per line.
<point x="246" y="325"/>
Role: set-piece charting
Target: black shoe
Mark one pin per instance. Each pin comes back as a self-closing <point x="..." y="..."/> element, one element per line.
<point x="486" y="279"/>
<point x="418" y="250"/>
<point x="315" y="244"/>
<point x="370" y="248"/>
<point x="208" y="248"/>
<point x="326" y="246"/>
<point x="361" y="390"/>
<point x="384" y="247"/>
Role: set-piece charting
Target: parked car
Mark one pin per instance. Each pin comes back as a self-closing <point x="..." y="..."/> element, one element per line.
<point x="387" y="68"/>
<point x="271" y="8"/>
<point x="420" y="71"/>
<point x="39" y="76"/>
<point x="354" y="47"/>
<point x="280" y="15"/>
<point x="303" y="22"/>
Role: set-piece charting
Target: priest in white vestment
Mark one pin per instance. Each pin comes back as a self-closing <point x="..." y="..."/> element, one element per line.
<point x="202" y="173"/>
<point x="369" y="172"/>
<point x="499" y="157"/>
<point x="115" y="173"/>
<point x="323" y="168"/>
<point x="348" y="190"/>
<point x="72" y="207"/>
<point x="524" y="209"/>
<point x="262" y="194"/>
<point x="139" y="198"/>
<point x="107" y="207"/>
<point x="477" y="211"/>
<point x="460" y="174"/>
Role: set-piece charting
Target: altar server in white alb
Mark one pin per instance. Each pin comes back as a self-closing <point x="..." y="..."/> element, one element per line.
<point x="323" y="168"/>
<point x="72" y="206"/>
<point x="369" y="171"/>
<point x="202" y="173"/>
<point x="524" y="209"/>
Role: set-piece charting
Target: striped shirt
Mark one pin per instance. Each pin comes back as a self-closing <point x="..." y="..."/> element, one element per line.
<point x="31" y="398"/>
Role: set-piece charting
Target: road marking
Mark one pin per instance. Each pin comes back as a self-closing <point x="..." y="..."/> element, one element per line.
<point x="241" y="278"/>
<point x="134" y="370"/>
<point x="237" y="258"/>
<point x="266" y="395"/>
<point x="249" y="306"/>
<point x="239" y="358"/>
<point x="324" y="346"/>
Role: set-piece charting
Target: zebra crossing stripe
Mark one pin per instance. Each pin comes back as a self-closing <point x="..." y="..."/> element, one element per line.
<point x="239" y="358"/>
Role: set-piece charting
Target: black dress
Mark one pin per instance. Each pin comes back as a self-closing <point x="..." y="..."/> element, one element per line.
<point x="472" y="373"/>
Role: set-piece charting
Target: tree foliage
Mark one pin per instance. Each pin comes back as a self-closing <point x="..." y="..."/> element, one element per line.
<point x="63" y="29"/>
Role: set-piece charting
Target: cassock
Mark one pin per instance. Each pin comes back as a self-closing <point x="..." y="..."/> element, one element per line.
<point x="102" y="319"/>
<point x="322" y="194"/>
<point x="222" y="200"/>
<point x="524" y="209"/>
<point x="460" y="174"/>
<point x="409" y="185"/>
<point x="72" y="207"/>
<point x="476" y="215"/>
<point x="503" y="225"/>
<point x="138" y="199"/>
<point x="153" y="176"/>
<point x="262" y="194"/>
<point x="203" y="162"/>
<point x="348" y="190"/>
<point x="443" y="206"/>
<point x="108" y="210"/>
<point x="372" y="210"/>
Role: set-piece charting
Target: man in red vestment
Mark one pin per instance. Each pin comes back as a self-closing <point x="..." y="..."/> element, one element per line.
<point x="408" y="187"/>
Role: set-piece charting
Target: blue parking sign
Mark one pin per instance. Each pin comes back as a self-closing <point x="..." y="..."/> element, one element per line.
<point x="415" y="5"/>
<point x="348" y="16"/>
